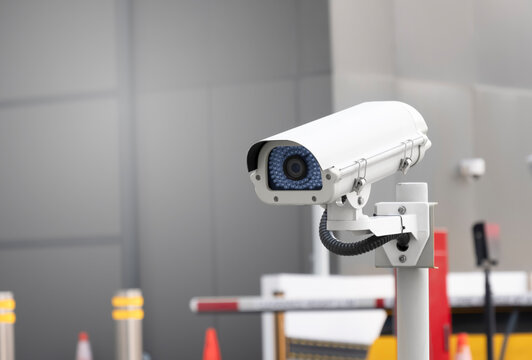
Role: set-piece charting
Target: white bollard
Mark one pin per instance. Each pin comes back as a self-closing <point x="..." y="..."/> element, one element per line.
<point x="128" y="315"/>
<point x="7" y="326"/>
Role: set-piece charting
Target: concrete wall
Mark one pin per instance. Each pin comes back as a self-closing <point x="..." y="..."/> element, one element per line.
<point x="464" y="66"/>
<point x="124" y="127"/>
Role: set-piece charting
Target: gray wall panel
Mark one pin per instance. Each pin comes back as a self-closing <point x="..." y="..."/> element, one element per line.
<point x="351" y="89"/>
<point x="313" y="33"/>
<point x="504" y="35"/>
<point x="314" y="94"/>
<point x="240" y="336"/>
<point x="253" y="40"/>
<point x="197" y="82"/>
<point x="435" y="40"/>
<point x="175" y="218"/>
<point x="59" y="176"/>
<point x="503" y="129"/>
<point x="56" y="47"/>
<point x="172" y="44"/>
<point x="60" y="291"/>
<point x="369" y="25"/>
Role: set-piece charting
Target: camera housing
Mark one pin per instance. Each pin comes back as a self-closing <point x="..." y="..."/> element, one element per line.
<point x="323" y="161"/>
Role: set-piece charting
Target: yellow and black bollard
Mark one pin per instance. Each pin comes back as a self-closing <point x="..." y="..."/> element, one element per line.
<point x="128" y="315"/>
<point x="7" y="326"/>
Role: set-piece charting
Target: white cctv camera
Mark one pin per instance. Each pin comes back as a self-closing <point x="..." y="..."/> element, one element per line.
<point x="338" y="155"/>
<point x="334" y="160"/>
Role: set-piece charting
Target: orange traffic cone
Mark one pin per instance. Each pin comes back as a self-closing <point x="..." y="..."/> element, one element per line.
<point x="211" y="350"/>
<point x="463" y="351"/>
<point x="83" y="351"/>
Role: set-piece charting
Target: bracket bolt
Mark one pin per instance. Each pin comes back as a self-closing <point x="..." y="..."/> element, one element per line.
<point x="402" y="258"/>
<point x="401" y="210"/>
<point x="360" y="200"/>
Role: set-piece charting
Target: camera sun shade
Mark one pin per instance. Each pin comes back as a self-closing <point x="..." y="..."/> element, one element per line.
<point x="293" y="168"/>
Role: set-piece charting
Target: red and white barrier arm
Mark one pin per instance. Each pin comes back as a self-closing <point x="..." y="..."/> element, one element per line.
<point x="257" y="304"/>
<point x="524" y="300"/>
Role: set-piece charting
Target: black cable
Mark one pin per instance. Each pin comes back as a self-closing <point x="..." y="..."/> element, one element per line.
<point x="356" y="248"/>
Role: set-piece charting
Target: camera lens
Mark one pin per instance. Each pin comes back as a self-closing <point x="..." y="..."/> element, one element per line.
<point x="295" y="167"/>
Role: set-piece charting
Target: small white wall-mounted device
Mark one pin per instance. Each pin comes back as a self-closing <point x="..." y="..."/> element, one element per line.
<point x="472" y="168"/>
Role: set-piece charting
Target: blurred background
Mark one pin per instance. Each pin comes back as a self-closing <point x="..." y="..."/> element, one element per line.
<point x="124" y="127"/>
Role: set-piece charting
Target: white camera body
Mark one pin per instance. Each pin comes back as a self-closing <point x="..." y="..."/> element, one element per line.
<point x="353" y="148"/>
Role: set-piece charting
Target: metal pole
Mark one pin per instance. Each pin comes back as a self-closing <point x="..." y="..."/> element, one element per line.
<point x="320" y="255"/>
<point x="413" y="341"/>
<point x="412" y="314"/>
<point x="7" y="326"/>
<point x="128" y="315"/>
<point x="489" y="314"/>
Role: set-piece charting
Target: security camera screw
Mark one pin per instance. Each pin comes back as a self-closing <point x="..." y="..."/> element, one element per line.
<point x="360" y="200"/>
<point x="402" y="258"/>
<point x="402" y="210"/>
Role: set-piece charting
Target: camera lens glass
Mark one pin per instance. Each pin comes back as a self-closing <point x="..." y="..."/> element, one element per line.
<point x="295" y="167"/>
